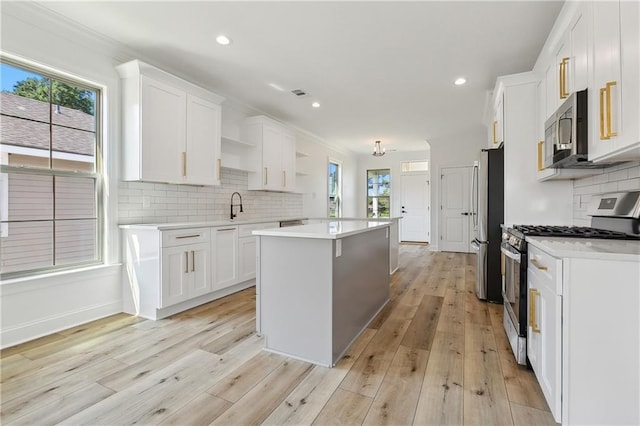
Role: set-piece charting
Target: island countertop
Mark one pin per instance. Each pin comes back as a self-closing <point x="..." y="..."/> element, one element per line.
<point x="329" y="230"/>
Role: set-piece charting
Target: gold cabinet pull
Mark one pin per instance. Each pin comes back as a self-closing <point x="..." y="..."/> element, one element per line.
<point x="533" y="323"/>
<point x="535" y="263"/>
<point x="540" y="155"/>
<point x="184" y="164"/>
<point x="602" y="134"/>
<point x="609" y="119"/>
<point x="186" y="262"/>
<point x="266" y="176"/>
<point x="495" y="136"/>
<point x="193" y="261"/>
<point x="563" y="78"/>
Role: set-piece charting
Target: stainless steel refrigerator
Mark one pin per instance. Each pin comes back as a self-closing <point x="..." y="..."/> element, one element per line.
<point x="487" y="201"/>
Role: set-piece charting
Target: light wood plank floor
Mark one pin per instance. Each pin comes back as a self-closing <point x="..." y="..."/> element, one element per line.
<point x="434" y="355"/>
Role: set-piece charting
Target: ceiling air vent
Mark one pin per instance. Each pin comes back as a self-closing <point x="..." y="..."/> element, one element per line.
<point x="299" y="92"/>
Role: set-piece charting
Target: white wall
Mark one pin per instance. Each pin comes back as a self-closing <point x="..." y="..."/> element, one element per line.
<point x="312" y="179"/>
<point x="453" y="150"/>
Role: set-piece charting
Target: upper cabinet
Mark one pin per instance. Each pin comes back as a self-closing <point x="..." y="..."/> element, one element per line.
<point x="171" y="128"/>
<point x="496" y="127"/>
<point x="615" y="91"/>
<point x="568" y="70"/>
<point x="595" y="45"/>
<point x="273" y="157"/>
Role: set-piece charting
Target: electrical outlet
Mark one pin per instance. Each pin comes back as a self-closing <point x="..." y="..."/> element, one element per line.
<point x="146" y="202"/>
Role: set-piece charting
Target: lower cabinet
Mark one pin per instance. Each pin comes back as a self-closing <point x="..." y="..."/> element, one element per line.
<point x="247" y="249"/>
<point x="544" y="331"/>
<point x="185" y="273"/>
<point x="169" y="271"/>
<point x="583" y="338"/>
<point x="225" y="256"/>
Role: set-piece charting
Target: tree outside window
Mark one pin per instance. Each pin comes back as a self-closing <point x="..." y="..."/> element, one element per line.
<point x="379" y="193"/>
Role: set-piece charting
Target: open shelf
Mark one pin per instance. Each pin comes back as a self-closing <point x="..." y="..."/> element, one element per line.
<point x="236" y="142"/>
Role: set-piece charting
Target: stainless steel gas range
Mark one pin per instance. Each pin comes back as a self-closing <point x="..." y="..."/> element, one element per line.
<point x="613" y="216"/>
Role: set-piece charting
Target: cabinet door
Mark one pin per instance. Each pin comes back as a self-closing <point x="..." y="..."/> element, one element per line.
<point x="288" y="162"/>
<point x="199" y="269"/>
<point x="175" y="276"/>
<point x="552" y="90"/>
<point x="544" y="335"/>
<point x="606" y="77"/>
<point x="271" y="158"/>
<point x="500" y="119"/>
<point x="162" y="132"/>
<point x="203" y="142"/>
<point x="578" y="72"/>
<point x="247" y="258"/>
<point x="225" y="257"/>
<point x="562" y="71"/>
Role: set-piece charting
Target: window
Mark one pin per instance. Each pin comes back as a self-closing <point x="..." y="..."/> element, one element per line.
<point x="335" y="189"/>
<point x="49" y="172"/>
<point x="379" y="193"/>
<point x="415" y="166"/>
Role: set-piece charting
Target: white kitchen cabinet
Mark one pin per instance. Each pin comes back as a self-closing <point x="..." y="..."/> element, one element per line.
<point x="274" y="156"/>
<point x="202" y="163"/>
<point x="185" y="273"/>
<point x="224" y="243"/>
<point x="247" y="249"/>
<point x="171" y="128"/>
<point x="496" y="133"/>
<point x="544" y="331"/>
<point x="583" y="299"/>
<point x="615" y="88"/>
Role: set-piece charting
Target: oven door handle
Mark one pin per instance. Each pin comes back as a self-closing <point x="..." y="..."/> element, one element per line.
<point x="510" y="254"/>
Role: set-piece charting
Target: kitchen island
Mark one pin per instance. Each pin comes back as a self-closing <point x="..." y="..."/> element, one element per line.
<point x="320" y="285"/>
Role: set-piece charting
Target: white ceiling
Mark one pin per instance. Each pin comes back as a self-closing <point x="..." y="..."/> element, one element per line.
<point x="381" y="70"/>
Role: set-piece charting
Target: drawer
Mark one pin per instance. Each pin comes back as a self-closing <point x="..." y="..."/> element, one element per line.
<point x="546" y="268"/>
<point x="178" y="237"/>
<point x="246" y="230"/>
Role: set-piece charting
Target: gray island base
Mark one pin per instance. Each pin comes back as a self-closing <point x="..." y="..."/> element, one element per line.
<point x="319" y="286"/>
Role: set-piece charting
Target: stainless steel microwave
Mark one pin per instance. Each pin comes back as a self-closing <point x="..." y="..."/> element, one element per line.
<point x="566" y="140"/>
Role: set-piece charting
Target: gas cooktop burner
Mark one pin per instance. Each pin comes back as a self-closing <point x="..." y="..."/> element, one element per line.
<point x="571" y="231"/>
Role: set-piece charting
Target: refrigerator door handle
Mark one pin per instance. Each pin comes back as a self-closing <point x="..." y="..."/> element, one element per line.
<point x="474" y="194"/>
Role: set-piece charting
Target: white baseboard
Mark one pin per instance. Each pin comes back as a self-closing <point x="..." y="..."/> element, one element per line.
<point x="12" y="336"/>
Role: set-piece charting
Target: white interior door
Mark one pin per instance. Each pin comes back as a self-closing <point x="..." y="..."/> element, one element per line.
<point x="415" y="207"/>
<point x="455" y="185"/>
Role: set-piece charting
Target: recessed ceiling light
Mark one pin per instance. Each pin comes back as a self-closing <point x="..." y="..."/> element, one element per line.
<point x="460" y="81"/>
<point x="275" y="86"/>
<point x="316" y="104"/>
<point x="223" y="40"/>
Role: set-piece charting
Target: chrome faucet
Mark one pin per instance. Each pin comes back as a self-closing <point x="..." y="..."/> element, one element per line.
<point x="233" y="205"/>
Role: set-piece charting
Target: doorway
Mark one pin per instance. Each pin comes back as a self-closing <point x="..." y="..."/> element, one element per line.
<point x="415" y="224"/>
<point x="455" y="209"/>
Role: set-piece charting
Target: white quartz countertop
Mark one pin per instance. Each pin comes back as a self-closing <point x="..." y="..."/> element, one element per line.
<point x="590" y="248"/>
<point x="326" y="230"/>
<point x="187" y="225"/>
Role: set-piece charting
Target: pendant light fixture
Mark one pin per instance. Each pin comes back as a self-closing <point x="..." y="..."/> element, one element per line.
<point x="377" y="150"/>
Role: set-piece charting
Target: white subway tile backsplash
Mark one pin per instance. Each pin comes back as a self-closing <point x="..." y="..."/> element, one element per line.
<point x="623" y="177"/>
<point x="182" y="203"/>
